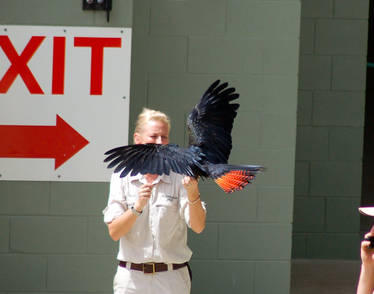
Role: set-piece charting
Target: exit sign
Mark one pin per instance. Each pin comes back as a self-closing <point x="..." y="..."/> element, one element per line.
<point x="64" y="100"/>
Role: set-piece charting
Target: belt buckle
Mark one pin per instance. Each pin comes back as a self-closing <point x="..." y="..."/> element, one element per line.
<point x="147" y="264"/>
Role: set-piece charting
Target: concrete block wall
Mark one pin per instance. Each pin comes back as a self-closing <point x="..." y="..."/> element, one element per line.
<point x="331" y="103"/>
<point x="52" y="237"/>
<point x="179" y="48"/>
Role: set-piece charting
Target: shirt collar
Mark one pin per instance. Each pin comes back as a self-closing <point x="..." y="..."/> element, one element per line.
<point x="139" y="177"/>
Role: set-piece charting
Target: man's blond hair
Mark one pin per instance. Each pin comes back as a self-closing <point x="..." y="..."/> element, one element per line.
<point x="149" y="114"/>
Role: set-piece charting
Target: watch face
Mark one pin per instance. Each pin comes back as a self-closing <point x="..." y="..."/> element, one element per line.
<point x="135" y="211"/>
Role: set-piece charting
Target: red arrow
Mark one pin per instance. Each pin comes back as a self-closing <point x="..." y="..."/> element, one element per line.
<point x="59" y="142"/>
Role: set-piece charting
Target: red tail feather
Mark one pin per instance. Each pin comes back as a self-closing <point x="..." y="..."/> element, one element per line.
<point x="234" y="180"/>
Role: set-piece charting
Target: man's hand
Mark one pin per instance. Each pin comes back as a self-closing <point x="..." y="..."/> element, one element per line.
<point x="191" y="186"/>
<point x="144" y="194"/>
<point x="367" y="254"/>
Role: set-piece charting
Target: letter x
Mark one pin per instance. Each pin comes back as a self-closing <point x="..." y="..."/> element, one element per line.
<point x="19" y="64"/>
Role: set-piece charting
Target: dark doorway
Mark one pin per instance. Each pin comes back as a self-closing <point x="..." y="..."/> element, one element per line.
<point x="367" y="198"/>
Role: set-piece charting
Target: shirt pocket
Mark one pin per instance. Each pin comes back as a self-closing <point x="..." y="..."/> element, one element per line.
<point x="167" y="215"/>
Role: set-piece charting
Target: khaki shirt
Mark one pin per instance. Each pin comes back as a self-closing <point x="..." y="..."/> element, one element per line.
<point x="159" y="234"/>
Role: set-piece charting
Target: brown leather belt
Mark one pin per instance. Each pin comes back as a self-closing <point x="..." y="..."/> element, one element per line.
<point x="152" y="267"/>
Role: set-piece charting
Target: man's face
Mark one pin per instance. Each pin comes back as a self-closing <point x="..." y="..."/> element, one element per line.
<point x="153" y="131"/>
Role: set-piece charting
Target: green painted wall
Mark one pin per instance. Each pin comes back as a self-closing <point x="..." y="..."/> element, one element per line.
<point x="179" y="48"/>
<point x="329" y="148"/>
<point x="52" y="235"/>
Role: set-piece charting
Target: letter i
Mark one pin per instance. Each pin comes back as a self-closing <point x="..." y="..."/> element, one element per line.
<point x="58" y="69"/>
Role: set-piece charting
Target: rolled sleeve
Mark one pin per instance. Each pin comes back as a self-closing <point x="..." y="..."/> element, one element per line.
<point x="116" y="203"/>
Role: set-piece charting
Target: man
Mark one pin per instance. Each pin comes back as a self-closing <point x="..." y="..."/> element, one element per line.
<point x="149" y="214"/>
<point x="366" y="280"/>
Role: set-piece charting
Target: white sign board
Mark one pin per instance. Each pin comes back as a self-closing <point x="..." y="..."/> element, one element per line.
<point x="64" y="101"/>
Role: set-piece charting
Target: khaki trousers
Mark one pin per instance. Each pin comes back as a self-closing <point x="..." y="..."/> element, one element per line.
<point x="128" y="281"/>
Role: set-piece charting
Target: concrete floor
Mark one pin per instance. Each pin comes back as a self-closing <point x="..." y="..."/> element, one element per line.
<point x="324" y="276"/>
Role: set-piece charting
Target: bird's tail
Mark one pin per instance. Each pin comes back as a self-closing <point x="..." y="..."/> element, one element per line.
<point x="231" y="178"/>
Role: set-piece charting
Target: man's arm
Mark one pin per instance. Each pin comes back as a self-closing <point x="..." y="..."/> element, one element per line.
<point x="366" y="281"/>
<point x="123" y="224"/>
<point x="197" y="212"/>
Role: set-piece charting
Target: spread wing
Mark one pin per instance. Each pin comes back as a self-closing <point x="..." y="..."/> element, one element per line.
<point x="153" y="159"/>
<point x="211" y="120"/>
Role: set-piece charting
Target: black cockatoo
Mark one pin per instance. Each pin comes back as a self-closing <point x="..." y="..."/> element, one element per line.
<point x="209" y="124"/>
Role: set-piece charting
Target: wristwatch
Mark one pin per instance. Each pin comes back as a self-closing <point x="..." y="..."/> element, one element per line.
<point x="134" y="211"/>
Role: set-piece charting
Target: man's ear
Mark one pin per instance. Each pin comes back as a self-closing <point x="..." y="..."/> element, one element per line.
<point x="137" y="138"/>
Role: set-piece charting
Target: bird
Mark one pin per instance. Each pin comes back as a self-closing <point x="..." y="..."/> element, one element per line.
<point x="209" y="125"/>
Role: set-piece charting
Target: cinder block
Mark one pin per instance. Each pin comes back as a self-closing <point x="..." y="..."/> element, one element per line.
<point x="73" y="198"/>
<point x="307" y="36"/>
<point x="280" y="276"/>
<point x="315" y="72"/>
<point x="180" y="91"/>
<point x="259" y="93"/>
<point x="229" y="277"/>
<point x="249" y="124"/>
<point x="204" y="245"/>
<point x="342" y="215"/>
<point x="317" y="8"/>
<point x="20" y="197"/>
<point x="22" y="272"/>
<point x="333" y="246"/>
<point x="349" y="73"/>
<point x="257" y="241"/>
<point x="222" y="207"/>
<point x="304" y="108"/>
<point x="4" y="188"/>
<point x="312" y="143"/>
<point x="302" y="175"/>
<point x="4" y="233"/>
<point x="346" y="143"/>
<point x="138" y="93"/>
<point x="84" y="273"/>
<point x="339" y="108"/>
<point x="238" y="19"/>
<point x="49" y="234"/>
<point x="276" y="94"/>
<point x="298" y="246"/>
<point x="324" y="276"/>
<point x="98" y="239"/>
<point x="25" y="13"/>
<point x="258" y="19"/>
<point x="335" y="178"/>
<point x="278" y="130"/>
<point x="351" y="9"/>
<point x="344" y="37"/>
<point x="161" y="54"/>
<point x="275" y="204"/>
<point x="176" y="17"/>
<point x="281" y="56"/>
<point x="309" y="215"/>
<point x="279" y="164"/>
<point x="141" y="15"/>
<point x="225" y="55"/>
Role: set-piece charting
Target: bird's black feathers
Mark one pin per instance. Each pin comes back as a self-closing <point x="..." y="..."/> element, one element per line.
<point x="209" y="124"/>
<point x="154" y="159"/>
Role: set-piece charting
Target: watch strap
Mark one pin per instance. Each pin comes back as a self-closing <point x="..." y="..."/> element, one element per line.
<point x="134" y="211"/>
